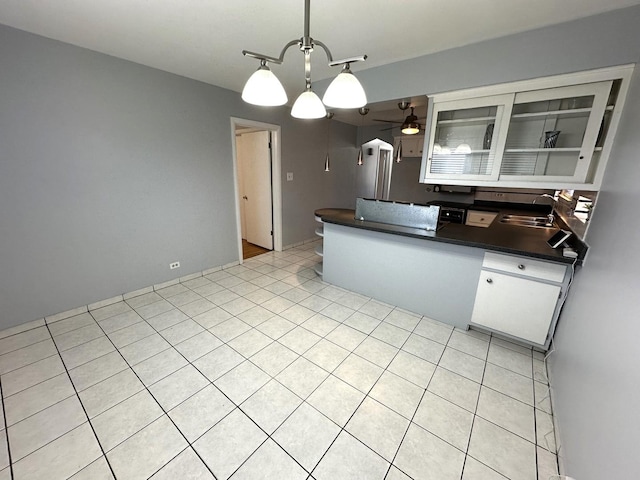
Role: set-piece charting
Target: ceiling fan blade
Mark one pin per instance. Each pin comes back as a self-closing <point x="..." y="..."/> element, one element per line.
<point x="386" y="121"/>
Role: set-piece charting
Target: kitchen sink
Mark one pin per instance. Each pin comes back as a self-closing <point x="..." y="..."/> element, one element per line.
<point x="527" y="221"/>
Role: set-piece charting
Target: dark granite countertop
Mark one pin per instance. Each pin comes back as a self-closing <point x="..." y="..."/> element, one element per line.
<point x="499" y="237"/>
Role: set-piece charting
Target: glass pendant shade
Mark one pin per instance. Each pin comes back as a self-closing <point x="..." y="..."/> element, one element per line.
<point x="308" y="105"/>
<point x="326" y="164"/>
<point x="345" y="91"/>
<point x="263" y="88"/>
<point x="399" y="152"/>
<point x="410" y="128"/>
<point x="360" y="162"/>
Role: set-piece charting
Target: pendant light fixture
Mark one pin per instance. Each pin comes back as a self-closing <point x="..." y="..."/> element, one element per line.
<point x="410" y="125"/>
<point x="327" y="167"/>
<point x="399" y="152"/>
<point x="362" y="111"/>
<point x="403" y="105"/>
<point x="264" y="88"/>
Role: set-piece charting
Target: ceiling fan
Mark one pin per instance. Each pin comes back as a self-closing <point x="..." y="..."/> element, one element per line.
<point x="410" y="125"/>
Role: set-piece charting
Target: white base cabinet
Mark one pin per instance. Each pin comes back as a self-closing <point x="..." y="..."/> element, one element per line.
<point x="519" y="297"/>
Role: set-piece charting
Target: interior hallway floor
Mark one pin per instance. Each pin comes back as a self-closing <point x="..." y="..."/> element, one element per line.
<point x="250" y="250"/>
<point x="262" y="371"/>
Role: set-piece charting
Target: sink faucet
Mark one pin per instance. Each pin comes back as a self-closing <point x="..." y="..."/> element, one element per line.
<point x="550" y="217"/>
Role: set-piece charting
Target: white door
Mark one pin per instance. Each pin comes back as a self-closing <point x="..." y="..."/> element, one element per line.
<point x="254" y="167"/>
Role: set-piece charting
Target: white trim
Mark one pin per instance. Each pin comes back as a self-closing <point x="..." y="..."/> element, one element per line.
<point x="23" y="327"/>
<point x="276" y="179"/>
<point x="299" y="244"/>
<point x="104" y="303"/>
<point x="168" y="283"/>
<point x="192" y="276"/>
<point x="230" y="265"/>
<point x="610" y="73"/>
<point x="137" y="293"/>
<point x="64" y="315"/>
<point x="209" y="271"/>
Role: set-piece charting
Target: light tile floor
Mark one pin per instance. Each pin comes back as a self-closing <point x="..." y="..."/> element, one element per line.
<point x="262" y="371"/>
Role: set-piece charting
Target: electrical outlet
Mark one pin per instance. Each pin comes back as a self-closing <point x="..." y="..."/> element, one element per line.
<point x="174" y="265"/>
<point x="289" y="176"/>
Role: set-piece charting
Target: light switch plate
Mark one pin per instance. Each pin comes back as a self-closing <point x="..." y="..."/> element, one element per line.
<point x="289" y="176"/>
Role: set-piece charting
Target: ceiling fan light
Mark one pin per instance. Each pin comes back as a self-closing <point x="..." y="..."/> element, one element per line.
<point x="308" y="105"/>
<point x="263" y="88"/>
<point x="345" y="91"/>
<point x="410" y="128"/>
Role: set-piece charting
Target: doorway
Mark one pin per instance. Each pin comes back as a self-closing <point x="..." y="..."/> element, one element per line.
<point x="256" y="156"/>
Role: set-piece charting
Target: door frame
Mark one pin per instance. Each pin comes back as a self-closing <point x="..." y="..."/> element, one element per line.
<point x="276" y="179"/>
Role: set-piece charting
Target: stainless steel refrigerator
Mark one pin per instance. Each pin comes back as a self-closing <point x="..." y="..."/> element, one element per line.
<point x="373" y="177"/>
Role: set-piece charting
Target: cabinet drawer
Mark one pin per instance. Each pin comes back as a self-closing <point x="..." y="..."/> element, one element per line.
<point x="527" y="267"/>
<point x="477" y="218"/>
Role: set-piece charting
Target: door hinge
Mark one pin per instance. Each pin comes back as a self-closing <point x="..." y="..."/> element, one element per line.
<point x="271" y="233"/>
<point x="269" y="145"/>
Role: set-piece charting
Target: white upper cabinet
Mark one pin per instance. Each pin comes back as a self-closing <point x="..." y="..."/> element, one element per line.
<point x="467" y="138"/>
<point x="546" y="133"/>
<point x="552" y="133"/>
<point x="412" y="145"/>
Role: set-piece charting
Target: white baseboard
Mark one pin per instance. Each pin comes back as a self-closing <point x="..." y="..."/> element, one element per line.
<point x="109" y="301"/>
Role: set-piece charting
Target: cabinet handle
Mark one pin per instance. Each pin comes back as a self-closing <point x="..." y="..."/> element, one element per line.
<point x="489" y="280"/>
<point x="521" y="267"/>
<point x="581" y="157"/>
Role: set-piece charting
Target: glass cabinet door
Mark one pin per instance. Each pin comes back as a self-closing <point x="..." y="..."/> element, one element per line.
<point x="467" y="138"/>
<point x="553" y="133"/>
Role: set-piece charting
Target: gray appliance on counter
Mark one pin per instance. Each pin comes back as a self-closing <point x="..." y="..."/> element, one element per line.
<point x="451" y="212"/>
<point x="373" y="177"/>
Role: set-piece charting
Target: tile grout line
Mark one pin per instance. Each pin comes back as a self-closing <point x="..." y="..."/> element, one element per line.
<point x="269" y="436"/>
<point x="391" y="464"/>
<point x="366" y="395"/>
<point x="6" y="429"/>
<point x="330" y="373"/>
<point x="165" y="413"/>
<point x="83" y="409"/>
<point x="535" y="422"/>
<point x="226" y="396"/>
<point x="475" y="412"/>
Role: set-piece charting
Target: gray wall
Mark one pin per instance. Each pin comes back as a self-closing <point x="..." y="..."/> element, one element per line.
<point x="594" y="370"/>
<point x="110" y="170"/>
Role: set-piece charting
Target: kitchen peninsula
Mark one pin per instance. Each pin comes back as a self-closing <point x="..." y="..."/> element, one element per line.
<point x="503" y="278"/>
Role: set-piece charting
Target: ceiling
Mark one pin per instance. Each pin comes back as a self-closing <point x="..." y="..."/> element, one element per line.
<point x="203" y="39"/>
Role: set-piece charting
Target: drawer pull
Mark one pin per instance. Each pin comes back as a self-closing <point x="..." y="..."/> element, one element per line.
<point x="521" y="267"/>
<point x="489" y="280"/>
